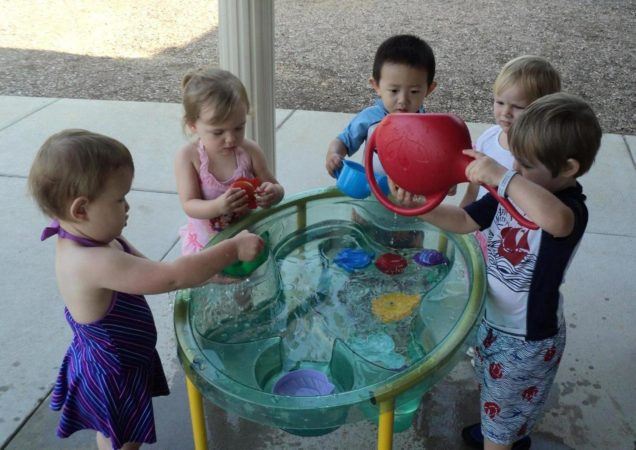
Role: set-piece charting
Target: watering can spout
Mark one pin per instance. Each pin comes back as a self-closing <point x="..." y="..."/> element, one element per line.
<point x="423" y="154"/>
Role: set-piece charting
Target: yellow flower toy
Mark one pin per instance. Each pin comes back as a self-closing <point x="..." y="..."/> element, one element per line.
<point x="394" y="306"/>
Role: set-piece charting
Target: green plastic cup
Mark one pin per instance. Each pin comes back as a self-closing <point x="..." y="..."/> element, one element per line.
<point x="241" y="269"/>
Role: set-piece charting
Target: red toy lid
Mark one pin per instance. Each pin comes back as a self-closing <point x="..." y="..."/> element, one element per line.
<point x="249" y="185"/>
<point x="391" y="263"/>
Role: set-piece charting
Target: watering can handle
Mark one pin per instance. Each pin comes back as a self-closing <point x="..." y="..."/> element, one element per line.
<point x="511" y="209"/>
<point x="466" y="160"/>
<point x="431" y="200"/>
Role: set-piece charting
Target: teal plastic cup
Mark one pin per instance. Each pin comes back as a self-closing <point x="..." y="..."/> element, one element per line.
<point x="352" y="181"/>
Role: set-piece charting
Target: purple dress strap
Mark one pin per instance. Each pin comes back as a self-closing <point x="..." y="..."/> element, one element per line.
<point x="55" y="228"/>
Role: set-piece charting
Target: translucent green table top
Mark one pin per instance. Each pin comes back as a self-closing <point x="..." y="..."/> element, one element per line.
<point x="375" y="335"/>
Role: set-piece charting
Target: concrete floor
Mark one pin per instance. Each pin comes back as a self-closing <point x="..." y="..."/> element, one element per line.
<point x="591" y="403"/>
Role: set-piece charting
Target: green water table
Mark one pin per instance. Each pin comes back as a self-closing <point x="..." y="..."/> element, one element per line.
<point x="381" y="340"/>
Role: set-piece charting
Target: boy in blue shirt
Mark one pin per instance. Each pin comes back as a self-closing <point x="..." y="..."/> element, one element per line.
<point x="522" y="337"/>
<point x="403" y="74"/>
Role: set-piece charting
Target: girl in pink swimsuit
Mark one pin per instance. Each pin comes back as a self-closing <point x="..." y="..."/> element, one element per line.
<point x="215" y="107"/>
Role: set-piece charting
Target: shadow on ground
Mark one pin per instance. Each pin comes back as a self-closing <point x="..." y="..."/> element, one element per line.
<point x="324" y="53"/>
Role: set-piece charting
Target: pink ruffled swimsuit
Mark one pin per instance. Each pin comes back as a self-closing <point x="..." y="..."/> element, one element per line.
<point x="196" y="234"/>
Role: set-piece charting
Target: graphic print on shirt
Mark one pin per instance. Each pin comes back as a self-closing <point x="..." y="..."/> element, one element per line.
<point x="511" y="258"/>
<point x="514" y="244"/>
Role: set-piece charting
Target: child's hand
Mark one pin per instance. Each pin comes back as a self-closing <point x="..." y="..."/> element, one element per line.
<point x="333" y="163"/>
<point x="267" y="194"/>
<point x="483" y="169"/>
<point x="234" y="200"/>
<point x="405" y="198"/>
<point x="248" y="245"/>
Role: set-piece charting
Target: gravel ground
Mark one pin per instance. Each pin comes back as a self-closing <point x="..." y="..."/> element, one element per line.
<point x="124" y="50"/>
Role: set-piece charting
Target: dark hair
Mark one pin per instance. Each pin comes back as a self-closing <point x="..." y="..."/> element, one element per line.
<point x="71" y="164"/>
<point x="555" y="128"/>
<point x="405" y="49"/>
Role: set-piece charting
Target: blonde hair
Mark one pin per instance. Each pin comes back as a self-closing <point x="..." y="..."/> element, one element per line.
<point x="555" y="128"/>
<point x="72" y="164"/>
<point x="215" y="88"/>
<point x="536" y="76"/>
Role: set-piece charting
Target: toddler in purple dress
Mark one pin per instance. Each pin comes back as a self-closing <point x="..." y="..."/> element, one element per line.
<point x="111" y="370"/>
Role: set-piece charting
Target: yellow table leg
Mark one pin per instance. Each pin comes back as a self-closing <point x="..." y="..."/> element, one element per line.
<point x="385" y="424"/>
<point x="197" y="417"/>
<point x="442" y="244"/>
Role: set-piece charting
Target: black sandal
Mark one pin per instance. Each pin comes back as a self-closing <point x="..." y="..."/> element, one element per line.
<point x="474" y="439"/>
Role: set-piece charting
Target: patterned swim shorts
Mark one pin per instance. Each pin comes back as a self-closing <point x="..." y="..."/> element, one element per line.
<point x="514" y="377"/>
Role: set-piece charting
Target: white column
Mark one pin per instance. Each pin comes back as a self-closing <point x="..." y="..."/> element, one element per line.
<point x="246" y="48"/>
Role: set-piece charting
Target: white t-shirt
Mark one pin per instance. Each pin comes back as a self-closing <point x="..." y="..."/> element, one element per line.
<point x="488" y="144"/>
<point x="526" y="268"/>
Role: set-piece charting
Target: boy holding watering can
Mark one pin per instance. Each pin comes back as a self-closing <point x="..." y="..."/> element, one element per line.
<point x="522" y="337"/>
<point x="403" y="74"/>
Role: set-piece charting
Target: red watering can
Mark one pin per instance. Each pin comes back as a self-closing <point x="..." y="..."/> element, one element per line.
<point x="422" y="153"/>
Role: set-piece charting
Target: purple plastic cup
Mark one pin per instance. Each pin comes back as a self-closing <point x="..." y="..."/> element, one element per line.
<point x="304" y="383"/>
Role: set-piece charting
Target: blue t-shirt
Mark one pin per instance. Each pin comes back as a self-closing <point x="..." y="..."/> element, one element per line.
<point x="362" y="125"/>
